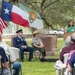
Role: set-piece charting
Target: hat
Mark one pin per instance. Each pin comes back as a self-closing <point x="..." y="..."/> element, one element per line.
<point x="35" y="32"/>
<point x="19" y="31"/>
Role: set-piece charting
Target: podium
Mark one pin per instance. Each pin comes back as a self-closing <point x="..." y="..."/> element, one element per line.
<point x="66" y="34"/>
<point x="50" y="43"/>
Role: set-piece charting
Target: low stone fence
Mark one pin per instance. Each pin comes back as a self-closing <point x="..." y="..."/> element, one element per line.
<point x="8" y="36"/>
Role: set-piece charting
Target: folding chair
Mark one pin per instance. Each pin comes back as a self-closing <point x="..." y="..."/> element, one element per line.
<point x="65" y="60"/>
<point x="9" y="63"/>
<point x="17" y="55"/>
<point x="37" y="53"/>
<point x="62" y="72"/>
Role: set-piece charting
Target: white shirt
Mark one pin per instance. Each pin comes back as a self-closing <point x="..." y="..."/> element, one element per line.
<point x="8" y="50"/>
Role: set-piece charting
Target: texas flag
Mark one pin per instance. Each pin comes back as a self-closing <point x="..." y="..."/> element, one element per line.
<point x="15" y="14"/>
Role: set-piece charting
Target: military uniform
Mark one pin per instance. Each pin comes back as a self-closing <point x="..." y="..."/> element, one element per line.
<point x="19" y="42"/>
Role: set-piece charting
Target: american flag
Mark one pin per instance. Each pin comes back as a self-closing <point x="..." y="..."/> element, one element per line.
<point x="2" y="25"/>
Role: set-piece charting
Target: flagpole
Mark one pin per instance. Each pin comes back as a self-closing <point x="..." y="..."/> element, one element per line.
<point x="0" y="6"/>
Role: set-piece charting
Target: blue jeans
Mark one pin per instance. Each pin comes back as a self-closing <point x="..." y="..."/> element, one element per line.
<point x="17" y="68"/>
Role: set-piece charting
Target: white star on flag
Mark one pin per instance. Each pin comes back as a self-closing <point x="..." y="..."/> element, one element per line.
<point x="6" y="11"/>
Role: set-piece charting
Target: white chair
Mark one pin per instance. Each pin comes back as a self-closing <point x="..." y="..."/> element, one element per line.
<point x="65" y="57"/>
<point x="58" y="71"/>
<point x="65" y="61"/>
<point x="17" y="54"/>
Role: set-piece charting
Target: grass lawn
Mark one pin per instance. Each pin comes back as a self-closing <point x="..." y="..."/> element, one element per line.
<point x="36" y="67"/>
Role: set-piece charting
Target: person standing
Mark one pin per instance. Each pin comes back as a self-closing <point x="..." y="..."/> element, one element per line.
<point x="20" y="42"/>
<point x="70" y="27"/>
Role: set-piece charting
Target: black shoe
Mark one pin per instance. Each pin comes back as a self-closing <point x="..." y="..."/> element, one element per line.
<point x="30" y="59"/>
<point x="43" y="60"/>
<point x="22" y="60"/>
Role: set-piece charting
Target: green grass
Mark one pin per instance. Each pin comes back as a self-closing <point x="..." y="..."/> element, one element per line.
<point x="36" y="67"/>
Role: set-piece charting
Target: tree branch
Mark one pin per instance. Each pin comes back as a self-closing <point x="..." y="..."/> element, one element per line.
<point x="41" y="6"/>
<point x="48" y="24"/>
<point x="50" y="4"/>
<point x="42" y="3"/>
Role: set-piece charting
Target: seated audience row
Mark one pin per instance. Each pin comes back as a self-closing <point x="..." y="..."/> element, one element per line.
<point x="70" y="49"/>
<point x="20" y="42"/>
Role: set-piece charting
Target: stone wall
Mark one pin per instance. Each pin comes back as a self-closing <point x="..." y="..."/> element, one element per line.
<point x="8" y="36"/>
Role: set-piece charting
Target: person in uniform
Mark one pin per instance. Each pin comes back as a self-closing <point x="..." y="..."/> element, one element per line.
<point x="37" y="44"/>
<point x="20" y="42"/>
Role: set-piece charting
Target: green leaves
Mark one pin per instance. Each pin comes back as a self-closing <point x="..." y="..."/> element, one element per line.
<point x="55" y="13"/>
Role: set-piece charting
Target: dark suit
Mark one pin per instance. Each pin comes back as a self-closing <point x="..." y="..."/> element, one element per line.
<point x="19" y="42"/>
<point x="3" y="55"/>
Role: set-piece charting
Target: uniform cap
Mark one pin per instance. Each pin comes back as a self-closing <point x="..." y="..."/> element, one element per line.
<point x="19" y="31"/>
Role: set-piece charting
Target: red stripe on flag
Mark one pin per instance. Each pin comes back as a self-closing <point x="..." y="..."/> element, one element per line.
<point x="2" y="24"/>
<point x="16" y="18"/>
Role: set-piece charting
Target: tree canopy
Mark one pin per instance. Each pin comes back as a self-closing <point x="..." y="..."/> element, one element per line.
<point x="55" y="13"/>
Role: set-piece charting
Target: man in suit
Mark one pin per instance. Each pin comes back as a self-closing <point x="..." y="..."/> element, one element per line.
<point x="20" y="42"/>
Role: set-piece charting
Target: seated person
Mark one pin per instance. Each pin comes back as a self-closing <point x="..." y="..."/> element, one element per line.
<point x="20" y="42"/>
<point x="37" y="44"/>
<point x="68" y="48"/>
<point x="71" y="63"/>
<point x="4" y="60"/>
<point x="16" y="65"/>
<point x="68" y="40"/>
